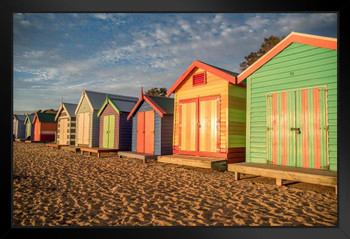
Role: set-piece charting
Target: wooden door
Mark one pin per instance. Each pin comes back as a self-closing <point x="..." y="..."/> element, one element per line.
<point x="83" y="128"/>
<point x="28" y="133"/>
<point x="208" y="124"/>
<point x="108" y="131"/>
<point x="80" y="123"/>
<point x="37" y="131"/>
<point x="86" y="128"/>
<point x="140" y="146"/>
<point x="188" y="125"/>
<point x="200" y="124"/>
<point x="149" y="132"/>
<point x="145" y="132"/>
<point x="63" y="131"/>
<point x="297" y="128"/>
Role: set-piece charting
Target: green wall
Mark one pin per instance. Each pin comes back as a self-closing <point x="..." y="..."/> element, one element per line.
<point x="297" y="66"/>
<point x="236" y="116"/>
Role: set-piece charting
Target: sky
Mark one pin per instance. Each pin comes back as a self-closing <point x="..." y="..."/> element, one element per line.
<point x="57" y="55"/>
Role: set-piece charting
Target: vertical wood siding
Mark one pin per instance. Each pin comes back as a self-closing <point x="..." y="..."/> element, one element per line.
<point x="125" y="132"/>
<point x="157" y="134"/>
<point x="30" y="130"/>
<point x="84" y="107"/>
<point x="109" y="110"/>
<point x="94" y="130"/>
<point x="167" y="135"/>
<point x="157" y="128"/>
<point x="19" y="128"/>
<point x="297" y="66"/>
<point x="134" y="133"/>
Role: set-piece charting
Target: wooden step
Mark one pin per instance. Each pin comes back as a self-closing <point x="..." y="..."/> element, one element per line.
<point x="98" y="151"/>
<point x="307" y="175"/>
<point x="137" y="155"/>
<point x="71" y="148"/>
<point x="195" y="161"/>
<point x="55" y="145"/>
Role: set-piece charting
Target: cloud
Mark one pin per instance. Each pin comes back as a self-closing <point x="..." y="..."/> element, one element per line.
<point x="305" y="22"/>
<point x="102" y="16"/>
<point x="257" y="22"/>
<point x="32" y="79"/>
<point x="118" y="53"/>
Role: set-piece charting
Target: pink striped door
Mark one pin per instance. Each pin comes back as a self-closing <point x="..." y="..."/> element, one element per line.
<point x="297" y="128"/>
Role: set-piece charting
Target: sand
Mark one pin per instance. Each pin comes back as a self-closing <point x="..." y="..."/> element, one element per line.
<point x="52" y="187"/>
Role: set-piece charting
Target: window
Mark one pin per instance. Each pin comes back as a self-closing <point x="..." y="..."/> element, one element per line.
<point x="199" y="79"/>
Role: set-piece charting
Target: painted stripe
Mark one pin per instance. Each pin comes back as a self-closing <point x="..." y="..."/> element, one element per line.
<point x="279" y="131"/>
<point x="197" y="124"/>
<point x="305" y="128"/>
<point x="48" y="132"/>
<point x="323" y="133"/>
<point x="274" y="127"/>
<point x="284" y="127"/>
<point x="269" y="129"/>
<point x="317" y="139"/>
<point x="218" y="130"/>
<point x="299" y="123"/>
<point x="311" y="128"/>
<point x="179" y="127"/>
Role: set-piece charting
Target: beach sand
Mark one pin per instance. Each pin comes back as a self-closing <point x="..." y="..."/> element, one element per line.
<point x="52" y="187"/>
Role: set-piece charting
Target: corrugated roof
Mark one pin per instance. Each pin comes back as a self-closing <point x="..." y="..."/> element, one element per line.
<point x="20" y="117"/>
<point x="167" y="104"/>
<point x="70" y="108"/>
<point x="46" y="117"/>
<point x="98" y="98"/>
<point x="123" y="105"/>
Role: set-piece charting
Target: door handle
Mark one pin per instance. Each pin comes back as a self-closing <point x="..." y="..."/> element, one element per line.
<point x="296" y="129"/>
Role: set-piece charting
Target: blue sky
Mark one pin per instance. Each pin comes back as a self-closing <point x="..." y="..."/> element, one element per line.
<point x="59" y="54"/>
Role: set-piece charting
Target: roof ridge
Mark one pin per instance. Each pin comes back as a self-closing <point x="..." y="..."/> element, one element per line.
<point x="220" y="68"/>
<point x="109" y="94"/>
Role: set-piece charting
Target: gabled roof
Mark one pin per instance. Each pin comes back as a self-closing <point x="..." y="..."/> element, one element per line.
<point x="161" y="105"/>
<point x="44" y="117"/>
<point x="119" y="105"/>
<point x="29" y="117"/>
<point x="68" y="107"/>
<point x="19" y="117"/>
<point x="225" y="74"/>
<point x="313" y="40"/>
<point x="96" y="99"/>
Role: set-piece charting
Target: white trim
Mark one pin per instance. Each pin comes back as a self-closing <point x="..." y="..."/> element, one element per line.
<point x="81" y="100"/>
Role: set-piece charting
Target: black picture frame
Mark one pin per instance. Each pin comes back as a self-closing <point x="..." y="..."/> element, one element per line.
<point x="8" y="7"/>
